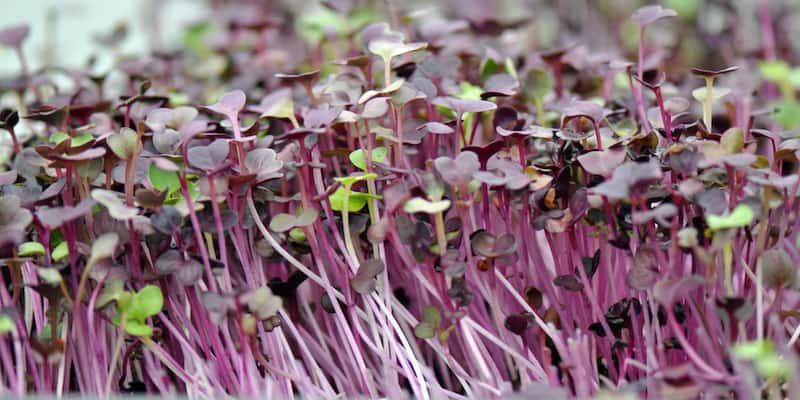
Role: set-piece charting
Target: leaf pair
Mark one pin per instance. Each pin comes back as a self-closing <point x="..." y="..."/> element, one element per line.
<point x="137" y="307"/>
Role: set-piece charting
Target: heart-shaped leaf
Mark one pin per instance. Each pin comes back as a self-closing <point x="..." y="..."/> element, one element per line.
<point x="648" y="14"/>
<point x="569" y="282"/>
<point x="164" y="180"/>
<point x="458" y="171"/>
<point x="667" y="291"/>
<point x="602" y="162"/>
<point x="167" y="220"/>
<point x="211" y="157"/>
<point x="146" y="303"/>
<point x="229" y="104"/>
<point x="741" y="216"/>
<point x="461" y="106"/>
<point x="355" y="200"/>
<point x="363" y="282"/>
<point x="263" y="303"/>
<point x="386" y="48"/>
<point x="359" y="160"/>
<point x="103" y="247"/>
<point x="124" y="144"/>
<point x="30" y="249"/>
<point x="116" y="207"/>
<point x="263" y="163"/>
<point x="418" y="204"/>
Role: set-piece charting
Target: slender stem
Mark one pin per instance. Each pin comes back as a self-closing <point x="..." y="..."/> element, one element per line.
<point x="708" y="103"/>
<point x="169" y="363"/>
<point x="441" y="236"/>
<point x="666" y="119"/>
<point x="348" y="238"/>
<point x="117" y="351"/>
<point x="597" y="135"/>
<point x="387" y="72"/>
<point x="14" y="139"/>
<point x="727" y="253"/>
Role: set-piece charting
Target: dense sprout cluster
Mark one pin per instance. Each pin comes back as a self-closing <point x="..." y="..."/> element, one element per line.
<point x="586" y="200"/>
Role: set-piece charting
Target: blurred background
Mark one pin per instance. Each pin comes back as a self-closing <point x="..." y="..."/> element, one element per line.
<point x="66" y="32"/>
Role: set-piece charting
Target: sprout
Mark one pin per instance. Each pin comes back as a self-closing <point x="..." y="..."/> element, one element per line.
<point x="708" y="97"/>
<point x="389" y="47"/>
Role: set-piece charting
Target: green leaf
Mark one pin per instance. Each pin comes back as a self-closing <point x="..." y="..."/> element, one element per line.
<point x="313" y="24"/>
<point x="717" y="93"/>
<point x="146" y="302"/>
<point x="686" y="9"/>
<point x="772" y="366"/>
<point x="29" y="249"/>
<point x="424" y="330"/>
<point x="47" y="331"/>
<point x="90" y="169"/>
<point x="49" y="275"/>
<point x="418" y="204"/>
<point x="794" y="78"/>
<point x="511" y="69"/>
<point x="194" y="37"/>
<point x="59" y="251"/>
<point x="538" y="83"/>
<point x="787" y="114"/>
<point x="81" y="139"/>
<point x="298" y="234"/>
<point x="263" y="303"/>
<point x="6" y="324"/>
<point x="164" y="180"/>
<point x="732" y="140"/>
<point x="753" y="350"/>
<point x="488" y="68"/>
<point x="469" y="91"/>
<point x="282" y="222"/>
<point x="358" y="157"/>
<point x="103" y="247"/>
<point x="124" y="144"/>
<point x="137" y="328"/>
<point x="351" y="179"/>
<point x="356" y="200"/>
<point x="124" y="300"/>
<point x="114" y="204"/>
<point x="58" y="137"/>
<point x="741" y="216"/>
<point x="283" y="108"/>
<point x="431" y="315"/>
<point x="762" y="353"/>
<point x="112" y="290"/>
<point x="388" y="49"/>
<point x="775" y="70"/>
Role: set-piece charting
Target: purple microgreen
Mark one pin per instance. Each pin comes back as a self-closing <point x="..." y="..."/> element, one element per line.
<point x="389" y="47"/>
<point x="648" y="14"/>
<point x="458" y="172"/>
<point x="363" y="282"/>
<point x="14" y="35"/>
<point x="602" y="162"/>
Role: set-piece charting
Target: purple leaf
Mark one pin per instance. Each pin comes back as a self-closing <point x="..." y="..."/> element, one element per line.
<point x="461" y="106"/>
<point x="500" y="85"/>
<point x="458" y="172"/>
<point x="229" y="104"/>
<point x="436" y="128"/>
<point x="14" y="35"/>
<point x="649" y="14"/>
<point x="602" y="162"/>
